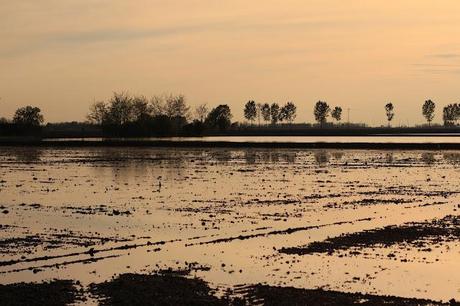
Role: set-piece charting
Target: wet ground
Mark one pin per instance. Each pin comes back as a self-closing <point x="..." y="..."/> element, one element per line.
<point x="243" y="226"/>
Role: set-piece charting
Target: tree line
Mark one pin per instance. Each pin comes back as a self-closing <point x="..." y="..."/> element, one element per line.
<point x="169" y="115"/>
<point x="165" y="115"/>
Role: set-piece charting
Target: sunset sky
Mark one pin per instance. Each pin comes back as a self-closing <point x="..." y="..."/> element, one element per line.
<point x="63" y="55"/>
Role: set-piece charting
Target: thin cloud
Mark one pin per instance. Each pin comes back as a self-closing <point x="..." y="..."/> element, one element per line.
<point x="445" y="55"/>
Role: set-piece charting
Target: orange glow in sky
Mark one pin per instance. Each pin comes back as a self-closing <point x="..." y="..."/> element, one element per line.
<point x="63" y="55"/>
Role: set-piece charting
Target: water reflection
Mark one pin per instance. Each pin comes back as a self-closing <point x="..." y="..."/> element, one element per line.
<point x="126" y="164"/>
<point x="321" y="157"/>
<point x="252" y="156"/>
<point x="452" y="157"/>
<point x="428" y="158"/>
<point x="337" y="155"/>
<point x="26" y="155"/>
<point x="389" y="158"/>
<point x="221" y="156"/>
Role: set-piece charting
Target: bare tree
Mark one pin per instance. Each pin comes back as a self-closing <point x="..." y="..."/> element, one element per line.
<point x="201" y="111"/>
<point x="120" y="108"/>
<point x="176" y="107"/>
<point x="141" y="110"/>
<point x="157" y="104"/>
<point x="97" y="113"/>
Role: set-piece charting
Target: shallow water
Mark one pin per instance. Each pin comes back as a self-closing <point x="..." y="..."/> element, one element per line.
<point x="88" y="214"/>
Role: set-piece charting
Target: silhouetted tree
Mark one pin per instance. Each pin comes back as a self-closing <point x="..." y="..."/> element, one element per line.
<point x="219" y="117"/>
<point x="337" y="113"/>
<point x="250" y="111"/>
<point x="274" y="112"/>
<point x="389" y="109"/>
<point x="259" y="112"/>
<point x="176" y="107"/>
<point x="97" y="113"/>
<point x="157" y="105"/>
<point x="125" y="115"/>
<point x="140" y="109"/>
<point x="282" y="115"/>
<point x="201" y="111"/>
<point x="28" y="116"/>
<point x="450" y="114"/>
<point x="120" y="110"/>
<point x="265" y="110"/>
<point x="288" y="112"/>
<point x="428" y="110"/>
<point x="321" y="111"/>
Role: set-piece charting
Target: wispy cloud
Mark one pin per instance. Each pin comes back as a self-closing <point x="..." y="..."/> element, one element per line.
<point x="445" y="55"/>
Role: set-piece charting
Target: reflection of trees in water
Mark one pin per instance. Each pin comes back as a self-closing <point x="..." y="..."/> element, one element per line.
<point x="220" y="155"/>
<point x="389" y="158"/>
<point x="269" y="156"/>
<point x="452" y="157"/>
<point x="27" y="155"/>
<point x="250" y="156"/>
<point x="289" y="157"/>
<point x="126" y="163"/>
<point x="428" y="158"/>
<point x="337" y="155"/>
<point x="321" y="157"/>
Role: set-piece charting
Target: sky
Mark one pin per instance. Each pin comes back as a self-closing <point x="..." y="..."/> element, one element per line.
<point x="62" y="55"/>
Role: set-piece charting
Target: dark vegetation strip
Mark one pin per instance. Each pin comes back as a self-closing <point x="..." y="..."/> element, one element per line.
<point x="178" y="288"/>
<point x="58" y="292"/>
<point x="170" y="288"/>
<point x="157" y="289"/>
<point x="277" y="232"/>
<point x="418" y="234"/>
<point x="276" y="296"/>
<point x="231" y="144"/>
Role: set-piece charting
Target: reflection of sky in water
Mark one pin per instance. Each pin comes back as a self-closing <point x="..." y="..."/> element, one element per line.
<point x="221" y="193"/>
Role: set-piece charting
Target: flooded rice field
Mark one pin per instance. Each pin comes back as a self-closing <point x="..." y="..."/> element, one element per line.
<point x="229" y="226"/>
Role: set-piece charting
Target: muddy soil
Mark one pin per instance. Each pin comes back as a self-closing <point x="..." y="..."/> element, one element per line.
<point x="383" y="223"/>
<point x="420" y="235"/>
<point x="53" y="293"/>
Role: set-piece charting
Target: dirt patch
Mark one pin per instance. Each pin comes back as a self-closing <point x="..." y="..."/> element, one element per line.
<point x="416" y="234"/>
<point x="59" y="292"/>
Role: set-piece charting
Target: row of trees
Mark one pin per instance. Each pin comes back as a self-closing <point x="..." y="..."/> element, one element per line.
<point x="124" y="114"/>
<point x="428" y="109"/>
<point x="273" y="113"/>
<point x="170" y="114"/>
<point x="26" y="121"/>
<point x="451" y="113"/>
<point x="122" y="109"/>
<point x="322" y="110"/>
